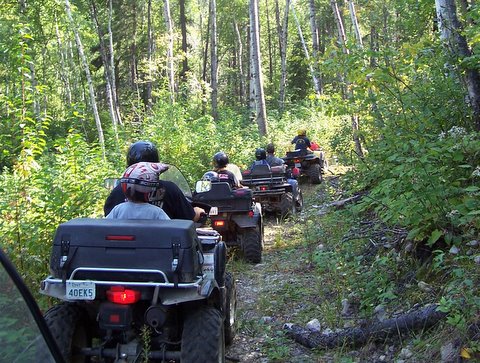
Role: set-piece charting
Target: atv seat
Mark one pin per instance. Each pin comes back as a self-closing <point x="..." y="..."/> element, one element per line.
<point x="264" y="174"/>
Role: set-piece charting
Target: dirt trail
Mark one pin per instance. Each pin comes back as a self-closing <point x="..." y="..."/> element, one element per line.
<point x="260" y="334"/>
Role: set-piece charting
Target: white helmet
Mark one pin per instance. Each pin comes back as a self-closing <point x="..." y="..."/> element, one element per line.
<point x="141" y="178"/>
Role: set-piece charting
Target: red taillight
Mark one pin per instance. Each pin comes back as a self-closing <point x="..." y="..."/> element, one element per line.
<point x="296" y="171"/>
<point x="251" y="214"/>
<point x="263" y="188"/>
<point x="112" y="237"/>
<point x="296" y="160"/>
<point x="219" y="223"/>
<point x="120" y="295"/>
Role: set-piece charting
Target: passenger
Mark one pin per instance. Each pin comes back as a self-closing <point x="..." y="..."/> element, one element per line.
<point x="168" y="195"/>
<point x="260" y="156"/>
<point x="302" y="142"/>
<point x="138" y="183"/>
<point x="235" y="170"/>
<point x="220" y="162"/>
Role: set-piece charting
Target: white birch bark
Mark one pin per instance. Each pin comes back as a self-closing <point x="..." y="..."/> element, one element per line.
<point x="61" y="56"/>
<point x="456" y="43"/>
<point x="257" y="69"/>
<point x="213" y="59"/>
<point x="315" y="45"/>
<point x="240" y="61"/>
<point x="283" y="57"/>
<point x="316" y="83"/>
<point x="93" y="101"/>
<point x="112" y="66"/>
<point x="353" y="17"/>
<point x="170" y="63"/>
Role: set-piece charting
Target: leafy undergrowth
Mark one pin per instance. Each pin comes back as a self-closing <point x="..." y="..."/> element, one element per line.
<point x="346" y="269"/>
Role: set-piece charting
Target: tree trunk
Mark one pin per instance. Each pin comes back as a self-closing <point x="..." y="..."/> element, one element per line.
<point x="342" y="38"/>
<point x="213" y="58"/>
<point x="106" y="66"/>
<point x="315" y="46"/>
<point x="269" y="39"/>
<point x="96" y="116"/>
<point x="283" y="58"/>
<point x="170" y="64"/>
<point x="240" y="62"/>
<point x="261" y="115"/>
<point x="356" y="28"/>
<point x="148" y="83"/>
<point x="316" y="83"/>
<point x="62" y="70"/>
<point x="113" y="77"/>
<point x="183" y="28"/>
<point x="456" y="43"/>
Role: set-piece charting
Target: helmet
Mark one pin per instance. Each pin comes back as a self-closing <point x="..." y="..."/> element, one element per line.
<point x="210" y="176"/>
<point x="302" y="132"/>
<point x="142" y="151"/>
<point x="220" y="159"/>
<point x="260" y="154"/>
<point x="270" y="148"/>
<point x="140" y="179"/>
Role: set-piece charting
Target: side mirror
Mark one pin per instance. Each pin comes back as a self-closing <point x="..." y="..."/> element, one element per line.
<point x="203" y="186"/>
<point x="111" y="183"/>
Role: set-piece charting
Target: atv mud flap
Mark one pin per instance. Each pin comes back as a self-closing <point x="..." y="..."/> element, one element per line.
<point x="245" y="221"/>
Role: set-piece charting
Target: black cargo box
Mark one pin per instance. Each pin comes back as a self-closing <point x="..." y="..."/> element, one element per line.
<point x="126" y="244"/>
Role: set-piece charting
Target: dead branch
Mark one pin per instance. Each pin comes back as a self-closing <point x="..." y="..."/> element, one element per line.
<point x="399" y="326"/>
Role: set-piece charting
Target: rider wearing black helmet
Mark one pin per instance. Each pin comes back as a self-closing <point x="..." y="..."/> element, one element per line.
<point x="169" y="196"/>
<point x="220" y="162"/>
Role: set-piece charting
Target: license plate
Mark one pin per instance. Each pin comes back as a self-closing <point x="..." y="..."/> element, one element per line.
<point x="80" y="290"/>
<point x="213" y="211"/>
<point x="297" y="165"/>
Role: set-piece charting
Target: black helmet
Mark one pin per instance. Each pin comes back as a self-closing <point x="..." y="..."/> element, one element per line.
<point x="142" y="151"/>
<point x="260" y="154"/>
<point x="270" y="148"/>
<point x="220" y="159"/>
<point x="210" y="176"/>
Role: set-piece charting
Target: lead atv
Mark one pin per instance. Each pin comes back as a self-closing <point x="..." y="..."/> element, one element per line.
<point x="308" y="164"/>
<point x="271" y="189"/>
<point x="235" y="215"/>
<point x="140" y="290"/>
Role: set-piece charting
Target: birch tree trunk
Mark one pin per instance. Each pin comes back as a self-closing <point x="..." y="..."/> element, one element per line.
<point x="342" y="38"/>
<point x="356" y="28"/>
<point x="148" y="85"/>
<point x="113" y="77"/>
<point x="170" y="64"/>
<point x="283" y="57"/>
<point x="456" y="44"/>
<point x="62" y="70"/>
<point x="106" y="66"/>
<point x="96" y="116"/>
<point x="183" y="29"/>
<point x="251" y="71"/>
<point x="316" y="83"/>
<point x="261" y="116"/>
<point x="240" y="62"/>
<point x="269" y="39"/>
<point x="315" y="45"/>
<point x="213" y="59"/>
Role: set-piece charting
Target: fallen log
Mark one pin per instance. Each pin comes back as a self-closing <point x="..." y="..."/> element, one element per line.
<point x="341" y="203"/>
<point x="399" y="326"/>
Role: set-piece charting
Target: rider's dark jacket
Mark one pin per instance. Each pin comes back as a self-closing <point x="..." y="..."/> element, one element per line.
<point x="301" y="143"/>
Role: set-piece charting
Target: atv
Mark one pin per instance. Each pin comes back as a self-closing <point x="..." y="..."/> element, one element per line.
<point x="309" y="164"/>
<point x="271" y="189"/>
<point x="235" y="215"/>
<point x="140" y="290"/>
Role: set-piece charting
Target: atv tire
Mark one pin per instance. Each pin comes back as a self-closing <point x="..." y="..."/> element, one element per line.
<point x="252" y="245"/>
<point x="230" y="324"/>
<point x="287" y="205"/>
<point x="314" y="173"/>
<point x="69" y="324"/>
<point x="203" y="339"/>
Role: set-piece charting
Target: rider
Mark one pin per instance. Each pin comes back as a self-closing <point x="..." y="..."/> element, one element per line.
<point x="260" y="156"/>
<point x="301" y="141"/>
<point x="169" y="196"/>
<point x="139" y="181"/>
<point x="272" y="160"/>
<point x="220" y="162"/>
